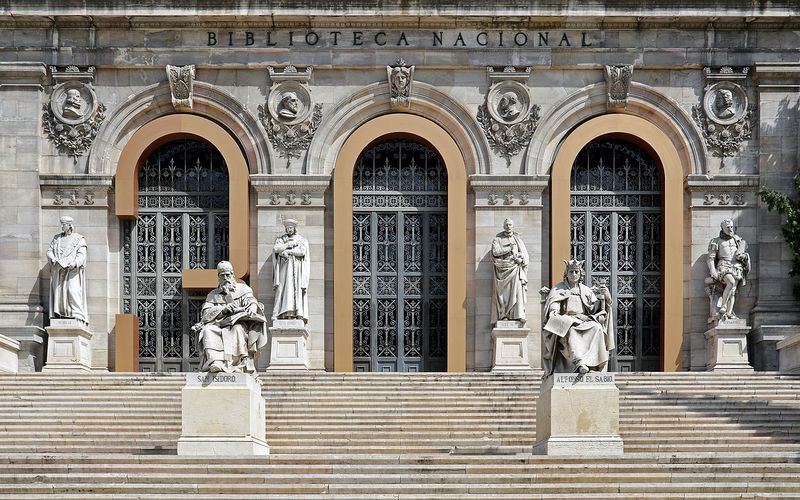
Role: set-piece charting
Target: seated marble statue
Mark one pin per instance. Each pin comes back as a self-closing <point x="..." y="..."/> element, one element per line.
<point x="232" y="326"/>
<point x="578" y="331"/>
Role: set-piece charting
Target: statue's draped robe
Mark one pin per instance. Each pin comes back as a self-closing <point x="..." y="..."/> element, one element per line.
<point x="290" y="273"/>
<point x="510" y="278"/>
<point x="67" y="257"/>
<point x="569" y="342"/>
<point x="232" y="338"/>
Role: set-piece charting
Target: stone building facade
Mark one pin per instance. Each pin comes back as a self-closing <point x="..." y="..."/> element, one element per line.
<point x="284" y="105"/>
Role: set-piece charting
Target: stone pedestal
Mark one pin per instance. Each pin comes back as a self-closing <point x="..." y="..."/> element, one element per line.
<point x="68" y="348"/>
<point x="510" y="341"/>
<point x="789" y="354"/>
<point x="288" y="345"/>
<point x="9" y="355"/>
<point x="578" y="415"/>
<point x="726" y="346"/>
<point x="763" y="344"/>
<point x="222" y="414"/>
<point x="31" y="346"/>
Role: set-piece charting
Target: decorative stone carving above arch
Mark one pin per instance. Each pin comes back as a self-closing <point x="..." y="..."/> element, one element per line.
<point x="375" y="100"/>
<point x="591" y="101"/>
<point x="156" y="101"/>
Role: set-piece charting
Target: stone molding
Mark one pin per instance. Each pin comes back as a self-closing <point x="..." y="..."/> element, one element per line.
<point x="23" y="74"/>
<point x="722" y="191"/>
<point x="508" y="191"/>
<point x="75" y="190"/>
<point x="297" y="191"/>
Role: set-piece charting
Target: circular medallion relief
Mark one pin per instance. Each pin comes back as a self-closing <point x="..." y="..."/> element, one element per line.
<point x="725" y="103"/>
<point x="290" y="102"/>
<point x="73" y="102"/>
<point x="508" y="102"/>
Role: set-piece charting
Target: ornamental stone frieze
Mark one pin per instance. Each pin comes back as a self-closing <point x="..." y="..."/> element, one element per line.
<point x="181" y="86"/>
<point x="618" y="79"/>
<point x="75" y="190"/>
<point x="290" y="115"/>
<point x="508" y="191"/>
<point x="508" y="117"/>
<point x="723" y="191"/>
<point x="73" y="115"/>
<point x="401" y="81"/>
<point x="724" y="115"/>
<point x="296" y="191"/>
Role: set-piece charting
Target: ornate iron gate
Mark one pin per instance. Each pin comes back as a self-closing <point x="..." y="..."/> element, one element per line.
<point x="615" y="222"/>
<point x="399" y="259"/>
<point x="182" y="224"/>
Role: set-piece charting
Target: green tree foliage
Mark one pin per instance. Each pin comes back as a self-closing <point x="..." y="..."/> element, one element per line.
<point x="784" y="205"/>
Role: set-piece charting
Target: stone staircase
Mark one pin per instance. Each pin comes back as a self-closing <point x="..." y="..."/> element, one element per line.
<point x="391" y="436"/>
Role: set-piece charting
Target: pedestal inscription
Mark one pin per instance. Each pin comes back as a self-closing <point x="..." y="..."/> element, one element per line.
<point x="68" y="346"/>
<point x="578" y="415"/>
<point x="222" y="414"/>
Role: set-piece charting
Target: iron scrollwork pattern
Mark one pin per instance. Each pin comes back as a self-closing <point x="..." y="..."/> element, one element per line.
<point x="399" y="259"/>
<point x="182" y="224"/>
<point x="616" y="226"/>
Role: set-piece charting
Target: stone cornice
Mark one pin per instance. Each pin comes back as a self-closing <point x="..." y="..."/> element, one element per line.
<point x="506" y="191"/>
<point x="22" y="73"/>
<point x="722" y="191"/>
<point x="75" y="190"/>
<point x="298" y="191"/>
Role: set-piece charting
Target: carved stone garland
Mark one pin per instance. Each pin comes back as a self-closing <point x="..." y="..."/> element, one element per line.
<point x="401" y="80"/>
<point x="290" y="116"/>
<point x="723" y="115"/>
<point x="508" y="117"/>
<point x="181" y="86"/>
<point x="73" y="115"/>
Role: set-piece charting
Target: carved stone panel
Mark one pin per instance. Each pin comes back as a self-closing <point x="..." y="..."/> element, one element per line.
<point x="401" y="80"/>
<point x="618" y="79"/>
<point x="181" y="86"/>
<point x="724" y="115"/>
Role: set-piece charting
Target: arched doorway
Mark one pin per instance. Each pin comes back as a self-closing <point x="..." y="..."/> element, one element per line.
<point x="399" y="259"/>
<point x="182" y="224"/>
<point x="615" y="226"/>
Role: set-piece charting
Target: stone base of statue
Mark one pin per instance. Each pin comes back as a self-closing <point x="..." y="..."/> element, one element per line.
<point x="68" y="347"/>
<point x="222" y="414"/>
<point x="31" y="346"/>
<point x="510" y="340"/>
<point x="288" y="345"/>
<point x="9" y="355"/>
<point x="764" y="345"/>
<point x="726" y="346"/>
<point x="578" y="415"/>
<point x="789" y="354"/>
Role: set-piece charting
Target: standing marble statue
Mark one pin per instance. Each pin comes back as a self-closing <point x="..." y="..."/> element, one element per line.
<point x="578" y="331"/>
<point x="67" y="257"/>
<point x="728" y="264"/>
<point x="290" y="274"/>
<point x="510" y="259"/>
<point x="232" y="326"/>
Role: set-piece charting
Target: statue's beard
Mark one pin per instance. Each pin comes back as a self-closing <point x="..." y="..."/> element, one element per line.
<point x="229" y="285"/>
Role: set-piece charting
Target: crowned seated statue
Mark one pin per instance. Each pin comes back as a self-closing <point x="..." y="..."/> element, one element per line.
<point x="578" y="332"/>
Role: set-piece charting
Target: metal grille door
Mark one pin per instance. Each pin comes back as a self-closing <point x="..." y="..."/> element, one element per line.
<point x="182" y="224"/>
<point x="615" y="221"/>
<point x="399" y="259"/>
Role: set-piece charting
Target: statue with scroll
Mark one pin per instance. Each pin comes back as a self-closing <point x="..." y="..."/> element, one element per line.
<point x="578" y="332"/>
<point x="291" y="269"/>
<point x="67" y="258"/>
<point x="232" y="326"/>
<point x="510" y="258"/>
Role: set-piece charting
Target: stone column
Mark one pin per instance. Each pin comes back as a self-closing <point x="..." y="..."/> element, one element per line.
<point x="21" y="311"/>
<point x="299" y="197"/>
<point x="497" y="197"/>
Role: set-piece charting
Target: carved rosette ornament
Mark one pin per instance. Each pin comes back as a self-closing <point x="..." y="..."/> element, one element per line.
<point x="181" y="86"/>
<point x="73" y="115"/>
<point x="290" y="115"/>
<point x="618" y="79"/>
<point x="508" y="117"/>
<point x="401" y="80"/>
<point x="723" y="115"/>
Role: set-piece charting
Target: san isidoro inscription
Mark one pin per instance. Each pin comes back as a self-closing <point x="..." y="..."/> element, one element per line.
<point x="443" y="39"/>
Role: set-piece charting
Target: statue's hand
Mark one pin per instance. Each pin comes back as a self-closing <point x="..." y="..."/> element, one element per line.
<point x="715" y="274"/>
<point x="229" y="309"/>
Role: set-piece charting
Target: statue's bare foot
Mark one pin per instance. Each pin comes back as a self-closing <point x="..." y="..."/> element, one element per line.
<point x="583" y="369"/>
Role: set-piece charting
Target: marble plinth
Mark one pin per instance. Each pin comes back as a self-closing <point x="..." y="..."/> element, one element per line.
<point x="288" y="345"/>
<point x="68" y="347"/>
<point x="222" y="414"/>
<point x="510" y="341"/>
<point x="789" y="354"/>
<point x="764" y="340"/>
<point x="726" y="346"/>
<point x="578" y="415"/>
<point x="31" y="346"/>
<point x="9" y="355"/>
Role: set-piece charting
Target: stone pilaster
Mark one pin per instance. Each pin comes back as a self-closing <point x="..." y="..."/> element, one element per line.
<point x="21" y="311"/>
<point x="299" y="197"/>
<point x="497" y="197"/>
